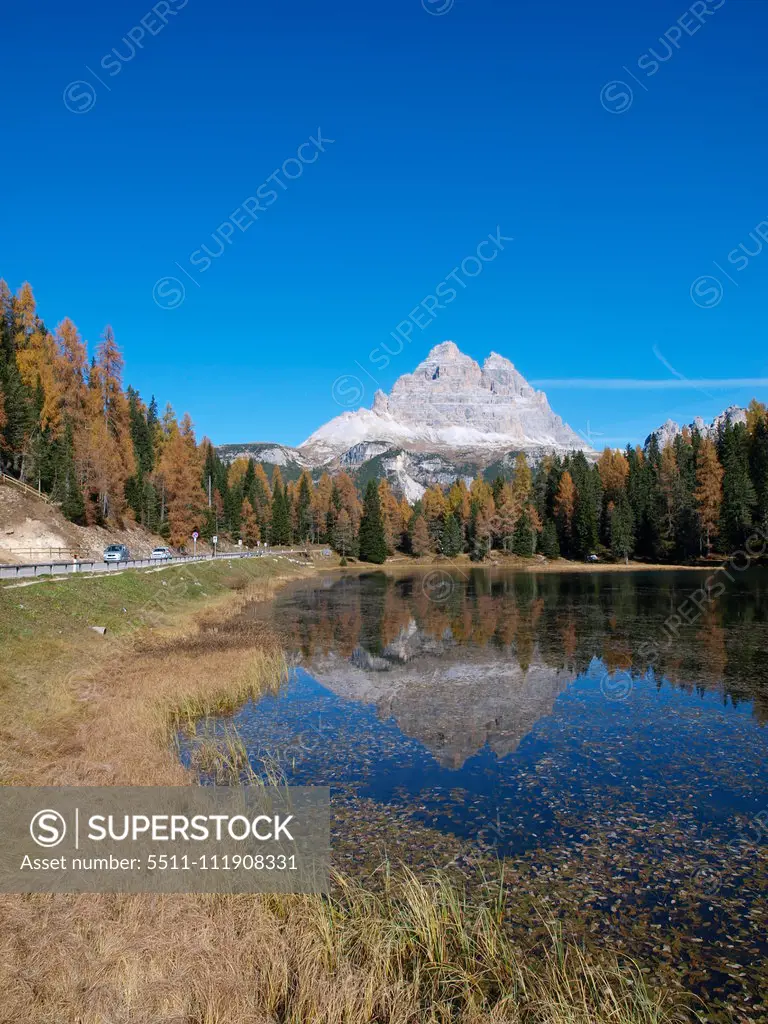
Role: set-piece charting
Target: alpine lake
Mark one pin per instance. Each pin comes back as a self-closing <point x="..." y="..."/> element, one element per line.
<point x="572" y="730"/>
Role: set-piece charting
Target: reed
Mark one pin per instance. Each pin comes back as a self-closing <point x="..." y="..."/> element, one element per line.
<point x="417" y="951"/>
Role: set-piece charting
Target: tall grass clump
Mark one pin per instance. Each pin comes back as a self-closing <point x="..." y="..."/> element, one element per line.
<point x="417" y="951"/>
<point x="263" y="673"/>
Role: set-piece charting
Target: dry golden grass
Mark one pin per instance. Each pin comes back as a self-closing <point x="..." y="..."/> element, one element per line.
<point x="413" y="951"/>
<point x="418" y="951"/>
<point x="84" y="710"/>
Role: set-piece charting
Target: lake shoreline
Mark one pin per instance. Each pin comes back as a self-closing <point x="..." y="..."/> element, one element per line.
<point x="88" y="709"/>
<point x="526" y="565"/>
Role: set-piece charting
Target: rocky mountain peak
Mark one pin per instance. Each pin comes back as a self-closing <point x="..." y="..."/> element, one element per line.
<point x="446" y="350"/>
<point x="668" y="431"/>
<point x="448" y="404"/>
<point x="494" y="359"/>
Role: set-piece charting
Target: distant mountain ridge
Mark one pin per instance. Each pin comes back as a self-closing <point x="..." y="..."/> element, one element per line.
<point x="450" y="417"/>
<point x="668" y="431"/>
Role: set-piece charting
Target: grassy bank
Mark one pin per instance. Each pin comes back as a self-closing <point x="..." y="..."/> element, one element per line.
<point x="81" y="708"/>
<point x="78" y="707"/>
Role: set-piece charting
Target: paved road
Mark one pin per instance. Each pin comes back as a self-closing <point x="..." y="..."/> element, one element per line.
<point x="18" y="572"/>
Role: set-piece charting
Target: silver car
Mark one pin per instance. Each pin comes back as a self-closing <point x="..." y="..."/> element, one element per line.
<point x="117" y="553"/>
<point x="161" y="554"/>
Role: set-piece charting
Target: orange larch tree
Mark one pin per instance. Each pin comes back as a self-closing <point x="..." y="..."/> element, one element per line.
<point x="709" y="490"/>
<point x="181" y="468"/>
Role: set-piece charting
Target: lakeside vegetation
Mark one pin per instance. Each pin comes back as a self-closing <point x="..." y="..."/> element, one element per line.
<point x="79" y="708"/>
<point x="71" y="428"/>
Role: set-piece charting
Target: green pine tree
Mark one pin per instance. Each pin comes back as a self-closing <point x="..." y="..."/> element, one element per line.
<point x="622" y="529"/>
<point x="523" y="542"/>
<point x="451" y="538"/>
<point x="550" y="546"/>
<point x="758" y="471"/>
<point x="739" y="498"/>
<point x="281" y="520"/>
<point x="304" y="510"/>
<point x="372" y="540"/>
<point x="686" y="541"/>
<point x="586" y="519"/>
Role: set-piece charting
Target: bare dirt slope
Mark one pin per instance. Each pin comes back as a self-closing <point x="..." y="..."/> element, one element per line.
<point x="31" y="530"/>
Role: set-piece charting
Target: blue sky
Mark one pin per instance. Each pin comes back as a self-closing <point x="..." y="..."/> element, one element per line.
<point x="622" y="178"/>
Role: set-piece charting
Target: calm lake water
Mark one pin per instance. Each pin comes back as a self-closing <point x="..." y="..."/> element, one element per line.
<point x="552" y="718"/>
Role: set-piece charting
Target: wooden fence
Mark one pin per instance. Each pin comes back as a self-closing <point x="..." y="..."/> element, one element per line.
<point x="46" y="554"/>
<point x="25" y="488"/>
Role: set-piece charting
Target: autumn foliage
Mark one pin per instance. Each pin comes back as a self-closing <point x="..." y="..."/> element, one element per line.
<point x="71" y="427"/>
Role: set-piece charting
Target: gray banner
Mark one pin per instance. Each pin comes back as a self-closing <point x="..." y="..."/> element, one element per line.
<point x="164" y="839"/>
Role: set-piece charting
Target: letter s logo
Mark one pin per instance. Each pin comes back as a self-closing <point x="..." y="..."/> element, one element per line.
<point x="48" y="828"/>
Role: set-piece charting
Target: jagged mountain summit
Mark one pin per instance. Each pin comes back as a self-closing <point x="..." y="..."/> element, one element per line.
<point x="450" y="404"/>
<point x="450" y="418"/>
<point x="667" y="432"/>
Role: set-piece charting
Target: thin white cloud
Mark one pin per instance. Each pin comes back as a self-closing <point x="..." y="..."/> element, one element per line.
<point x="637" y="384"/>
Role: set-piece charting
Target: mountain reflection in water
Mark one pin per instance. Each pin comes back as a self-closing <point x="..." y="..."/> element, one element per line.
<point x="521" y="695"/>
<point x="498" y="624"/>
<point x="518" y="715"/>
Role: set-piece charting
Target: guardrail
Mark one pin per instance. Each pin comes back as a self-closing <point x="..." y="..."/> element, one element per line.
<point x="51" y="568"/>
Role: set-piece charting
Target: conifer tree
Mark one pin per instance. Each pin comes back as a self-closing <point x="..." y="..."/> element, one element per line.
<point x="524" y="539"/>
<point x="564" y="507"/>
<point x="586" y="517"/>
<point x="391" y="516"/>
<point x="262" y="499"/>
<point x="342" y="534"/>
<point x="321" y="509"/>
<point x="434" y="507"/>
<point x="550" y="546"/>
<point x="687" y="527"/>
<point x="304" y="508"/>
<point x="669" y="485"/>
<point x="451" y="539"/>
<point x="508" y="511"/>
<point x="71" y="370"/>
<point x="622" y="528"/>
<point x="758" y="468"/>
<point x="372" y="540"/>
<point x="522" y="481"/>
<point x="249" y="525"/>
<point x="459" y="501"/>
<point x="184" y="496"/>
<point x="67" y="489"/>
<point x="709" y="491"/>
<point x="107" y="455"/>
<point x="420" y="539"/>
<point x="739" y="498"/>
<point x="249" y="479"/>
<point x="280" y="530"/>
<point x="497" y="485"/>
<point x="480" y="530"/>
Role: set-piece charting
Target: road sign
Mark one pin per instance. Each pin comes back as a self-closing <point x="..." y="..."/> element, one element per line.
<point x="215" y="539"/>
<point x="195" y="535"/>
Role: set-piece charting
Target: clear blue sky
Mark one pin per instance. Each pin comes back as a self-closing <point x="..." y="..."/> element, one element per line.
<point x="445" y="127"/>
